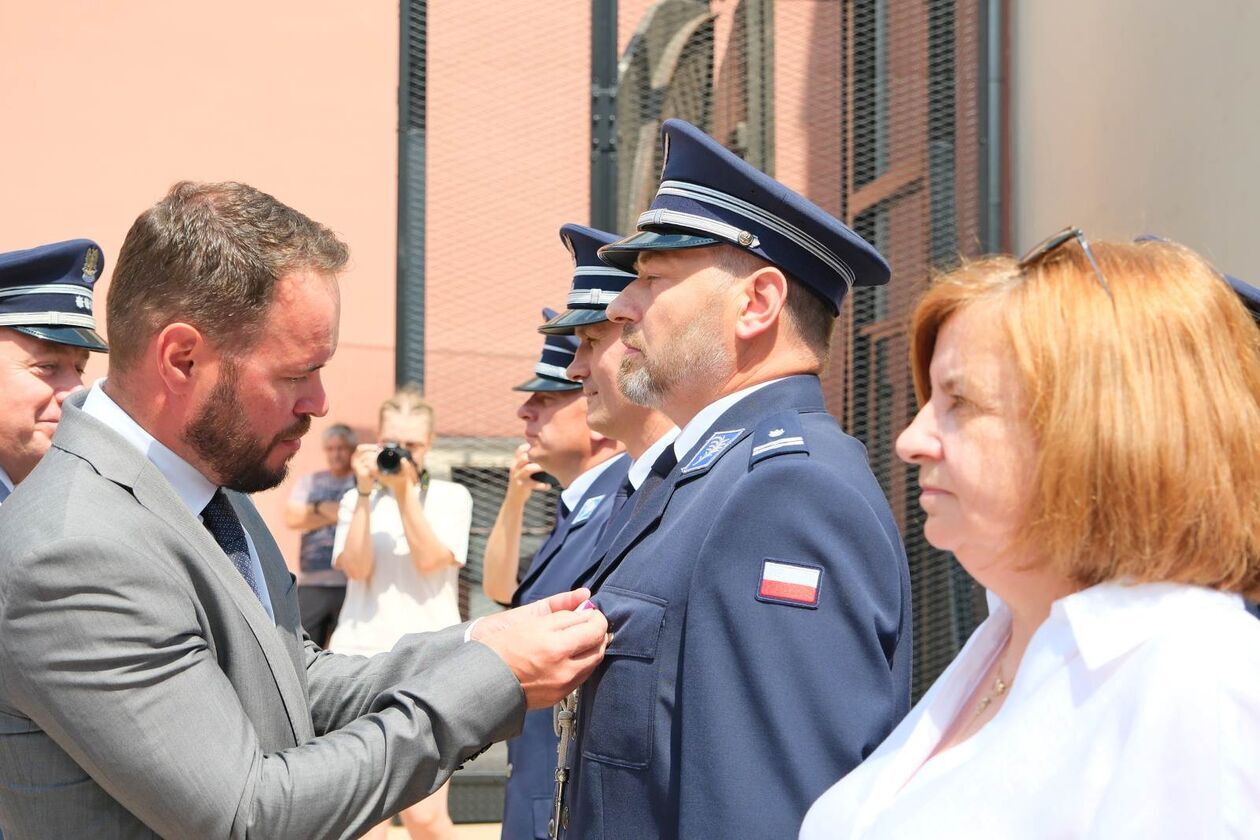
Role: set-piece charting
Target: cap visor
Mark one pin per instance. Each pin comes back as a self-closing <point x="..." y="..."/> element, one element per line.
<point x="1250" y="294"/>
<point x="546" y="383"/>
<point x="623" y="253"/>
<point x="74" y="336"/>
<point x="566" y="322"/>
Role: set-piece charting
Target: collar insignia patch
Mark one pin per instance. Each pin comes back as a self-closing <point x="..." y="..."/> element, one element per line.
<point x="713" y="447"/>
<point x="586" y="510"/>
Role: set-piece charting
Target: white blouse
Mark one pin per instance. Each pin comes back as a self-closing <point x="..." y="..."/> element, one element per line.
<point x="1135" y="713"/>
<point x="397" y="599"/>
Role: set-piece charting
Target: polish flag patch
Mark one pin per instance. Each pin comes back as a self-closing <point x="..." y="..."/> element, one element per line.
<point x="789" y="583"/>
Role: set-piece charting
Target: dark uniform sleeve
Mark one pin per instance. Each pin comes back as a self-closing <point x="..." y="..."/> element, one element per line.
<point x="777" y="701"/>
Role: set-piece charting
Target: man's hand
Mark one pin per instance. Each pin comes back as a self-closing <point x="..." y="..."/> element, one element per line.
<point x="363" y="462"/>
<point x="550" y="645"/>
<point x="521" y="483"/>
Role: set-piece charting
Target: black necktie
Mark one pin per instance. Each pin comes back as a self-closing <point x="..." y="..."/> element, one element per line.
<point x="663" y="466"/>
<point x="220" y="520"/>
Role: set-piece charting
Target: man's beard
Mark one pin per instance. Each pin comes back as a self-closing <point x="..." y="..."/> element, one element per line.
<point x="220" y="435"/>
<point x="696" y="355"/>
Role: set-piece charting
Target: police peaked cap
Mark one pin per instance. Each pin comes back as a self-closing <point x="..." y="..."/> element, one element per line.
<point x="550" y="372"/>
<point x="595" y="284"/>
<point x="708" y="196"/>
<point x="46" y="292"/>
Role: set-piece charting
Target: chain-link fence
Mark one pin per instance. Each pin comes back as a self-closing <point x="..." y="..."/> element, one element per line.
<point x="516" y="120"/>
<point x="868" y="108"/>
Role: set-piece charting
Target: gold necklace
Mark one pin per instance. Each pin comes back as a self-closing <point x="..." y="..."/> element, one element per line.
<point x="999" y="688"/>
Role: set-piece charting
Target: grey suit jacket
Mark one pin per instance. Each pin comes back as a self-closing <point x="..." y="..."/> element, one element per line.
<point x="145" y="692"/>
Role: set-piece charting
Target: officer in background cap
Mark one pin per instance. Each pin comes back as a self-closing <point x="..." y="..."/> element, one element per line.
<point x="46" y="332"/>
<point x="588" y="467"/>
<point x="1250" y="297"/>
<point x="759" y="595"/>
<point x="1248" y="294"/>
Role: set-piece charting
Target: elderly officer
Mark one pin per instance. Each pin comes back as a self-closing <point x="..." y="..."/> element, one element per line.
<point x="759" y="595"/>
<point x="589" y="468"/>
<point x="46" y="331"/>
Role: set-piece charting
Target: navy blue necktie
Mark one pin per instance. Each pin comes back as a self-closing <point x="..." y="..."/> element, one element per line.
<point x="220" y="520"/>
<point x="625" y="491"/>
<point x="661" y="468"/>
<point x="4" y="491"/>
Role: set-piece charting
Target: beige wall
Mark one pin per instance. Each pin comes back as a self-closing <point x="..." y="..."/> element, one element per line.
<point x="1134" y="116"/>
<point x="105" y="105"/>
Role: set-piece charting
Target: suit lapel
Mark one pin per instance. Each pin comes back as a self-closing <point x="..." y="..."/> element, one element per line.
<point x="118" y="461"/>
<point x="603" y="487"/>
<point x="288" y="625"/>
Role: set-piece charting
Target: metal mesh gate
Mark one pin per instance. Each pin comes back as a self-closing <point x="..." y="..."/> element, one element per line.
<point x="873" y="109"/>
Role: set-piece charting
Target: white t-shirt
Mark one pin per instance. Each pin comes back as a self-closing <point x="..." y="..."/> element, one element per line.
<point x="1135" y="713"/>
<point x="397" y="599"/>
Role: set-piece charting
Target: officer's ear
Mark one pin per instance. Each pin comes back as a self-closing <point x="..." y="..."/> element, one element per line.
<point x="182" y="354"/>
<point x="762" y="298"/>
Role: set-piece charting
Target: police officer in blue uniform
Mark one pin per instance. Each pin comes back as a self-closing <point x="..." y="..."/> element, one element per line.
<point x="645" y="432"/>
<point x="46" y="332"/>
<point x="589" y="468"/>
<point x="759" y="594"/>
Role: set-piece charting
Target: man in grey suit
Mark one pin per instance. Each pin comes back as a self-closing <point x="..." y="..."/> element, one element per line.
<point x="154" y="678"/>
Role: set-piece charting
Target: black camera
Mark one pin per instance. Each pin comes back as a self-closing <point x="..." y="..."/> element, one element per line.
<point x="389" y="459"/>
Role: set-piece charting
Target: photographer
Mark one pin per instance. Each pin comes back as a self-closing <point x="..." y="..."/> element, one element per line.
<point x="401" y="539"/>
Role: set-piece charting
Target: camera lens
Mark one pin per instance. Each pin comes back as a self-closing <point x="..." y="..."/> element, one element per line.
<point x="389" y="459"/>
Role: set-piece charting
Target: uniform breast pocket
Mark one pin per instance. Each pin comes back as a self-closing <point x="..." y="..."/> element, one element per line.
<point x="623" y="705"/>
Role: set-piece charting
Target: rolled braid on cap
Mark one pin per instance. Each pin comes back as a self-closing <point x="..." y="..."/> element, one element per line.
<point x="46" y="292"/>
<point x="595" y="284"/>
<point x="708" y="195"/>
<point x="557" y="354"/>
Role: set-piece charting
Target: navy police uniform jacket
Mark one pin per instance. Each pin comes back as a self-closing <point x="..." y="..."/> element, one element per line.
<point x="532" y="754"/>
<point x="759" y="600"/>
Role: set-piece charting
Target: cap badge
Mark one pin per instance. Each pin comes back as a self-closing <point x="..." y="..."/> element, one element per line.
<point x="91" y="265"/>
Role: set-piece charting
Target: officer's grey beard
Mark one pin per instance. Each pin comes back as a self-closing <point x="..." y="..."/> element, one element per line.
<point x="695" y="357"/>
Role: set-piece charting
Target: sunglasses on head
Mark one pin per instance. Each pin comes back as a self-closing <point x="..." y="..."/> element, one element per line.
<point x="1052" y="243"/>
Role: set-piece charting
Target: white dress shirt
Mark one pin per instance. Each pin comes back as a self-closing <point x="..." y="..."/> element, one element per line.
<point x="1135" y="713"/>
<point x="707" y="416"/>
<point x="193" y="488"/>
<point x="643" y="464"/>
